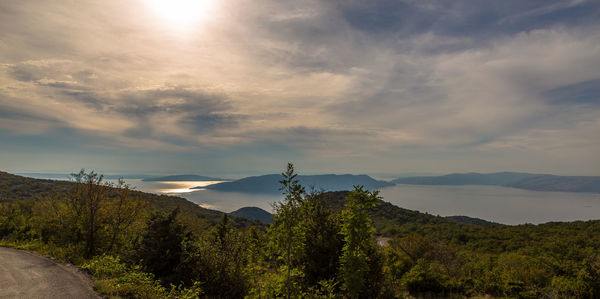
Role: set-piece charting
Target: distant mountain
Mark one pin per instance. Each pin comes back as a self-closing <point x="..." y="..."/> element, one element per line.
<point x="67" y="176"/>
<point x="391" y="220"/>
<point x="529" y="181"/>
<point x="471" y="220"/>
<point x="270" y="183"/>
<point x="496" y="179"/>
<point x="15" y="188"/>
<point x="183" y="177"/>
<point x="254" y="213"/>
<point x="547" y="182"/>
<point x="385" y="215"/>
<point x="388" y="219"/>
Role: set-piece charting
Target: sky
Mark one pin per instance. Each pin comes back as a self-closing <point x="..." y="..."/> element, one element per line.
<point x="334" y="86"/>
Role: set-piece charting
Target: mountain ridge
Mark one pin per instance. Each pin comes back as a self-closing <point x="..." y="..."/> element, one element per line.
<point x="527" y="181"/>
<point x="183" y="177"/>
<point x="255" y="213"/>
<point x="15" y="188"/>
<point x="384" y="210"/>
<point x="269" y="184"/>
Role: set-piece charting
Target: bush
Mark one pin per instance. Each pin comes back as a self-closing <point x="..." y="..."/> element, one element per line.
<point x="116" y="279"/>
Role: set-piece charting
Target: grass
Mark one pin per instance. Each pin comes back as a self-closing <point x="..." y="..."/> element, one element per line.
<point x="112" y="278"/>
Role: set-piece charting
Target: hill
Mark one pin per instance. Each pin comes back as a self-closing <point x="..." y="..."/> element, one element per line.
<point x="182" y="177"/>
<point x="528" y="181"/>
<point x="390" y="220"/>
<point x="424" y="255"/>
<point x="254" y="213"/>
<point x="387" y="217"/>
<point x="270" y="183"/>
<point x="66" y="176"/>
<point x="14" y="187"/>
<point x="472" y="220"/>
<point x="560" y="183"/>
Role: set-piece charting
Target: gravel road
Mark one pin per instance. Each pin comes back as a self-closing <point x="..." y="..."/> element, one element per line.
<point x="26" y="275"/>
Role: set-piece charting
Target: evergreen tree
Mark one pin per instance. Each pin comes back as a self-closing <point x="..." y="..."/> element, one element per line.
<point x="322" y="240"/>
<point x="161" y="249"/>
<point x="217" y="261"/>
<point x="286" y="231"/>
<point x="360" y="263"/>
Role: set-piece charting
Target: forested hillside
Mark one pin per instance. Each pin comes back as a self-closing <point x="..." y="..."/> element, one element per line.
<point x="386" y="216"/>
<point x="15" y="188"/>
<point x="320" y="245"/>
<point x="254" y="213"/>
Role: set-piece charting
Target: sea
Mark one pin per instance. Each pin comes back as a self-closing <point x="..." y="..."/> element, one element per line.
<point x="493" y="203"/>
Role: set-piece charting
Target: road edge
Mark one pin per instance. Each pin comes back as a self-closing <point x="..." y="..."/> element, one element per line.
<point x="85" y="278"/>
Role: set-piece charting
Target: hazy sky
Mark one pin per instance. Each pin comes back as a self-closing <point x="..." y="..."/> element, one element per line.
<point x="365" y="86"/>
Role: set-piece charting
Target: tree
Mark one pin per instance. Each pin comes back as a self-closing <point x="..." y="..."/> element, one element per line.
<point x="88" y="197"/>
<point x="286" y="232"/>
<point x="322" y="244"/>
<point x="229" y="255"/>
<point x="93" y="214"/>
<point x="123" y="213"/>
<point x="16" y="219"/>
<point x="217" y="260"/>
<point x="161" y="248"/>
<point x="360" y="263"/>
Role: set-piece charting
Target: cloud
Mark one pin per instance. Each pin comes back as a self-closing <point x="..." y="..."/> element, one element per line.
<point x="586" y="93"/>
<point x="329" y="79"/>
<point x="543" y="10"/>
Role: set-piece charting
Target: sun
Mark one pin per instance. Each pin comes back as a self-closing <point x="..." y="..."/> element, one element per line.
<point x="182" y="12"/>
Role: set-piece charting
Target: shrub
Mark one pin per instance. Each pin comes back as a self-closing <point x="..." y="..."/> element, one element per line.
<point x="116" y="279"/>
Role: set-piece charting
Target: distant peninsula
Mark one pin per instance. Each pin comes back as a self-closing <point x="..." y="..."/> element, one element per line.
<point x="183" y="177"/>
<point x="270" y="183"/>
<point x="254" y="213"/>
<point x="528" y="181"/>
<point x="383" y="210"/>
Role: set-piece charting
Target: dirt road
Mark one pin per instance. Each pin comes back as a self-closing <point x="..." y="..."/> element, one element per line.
<point x="25" y="275"/>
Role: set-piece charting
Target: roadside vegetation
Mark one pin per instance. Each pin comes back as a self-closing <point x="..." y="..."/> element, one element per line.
<point x="320" y="245"/>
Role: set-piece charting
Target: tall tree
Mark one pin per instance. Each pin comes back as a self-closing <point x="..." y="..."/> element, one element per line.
<point x="322" y="240"/>
<point x="217" y="260"/>
<point x="288" y="235"/>
<point x="161" y="248"/>
<point x="123" y="213"/>
<point x="94" y="214"/>
<point x="88" y="197"/>
<point x="360" y="263"/>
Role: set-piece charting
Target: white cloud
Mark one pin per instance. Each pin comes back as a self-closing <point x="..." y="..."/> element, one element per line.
<point x="301" y="77"/>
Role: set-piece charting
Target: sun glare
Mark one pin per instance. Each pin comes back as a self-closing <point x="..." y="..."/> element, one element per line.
<point x="181" y="12"/>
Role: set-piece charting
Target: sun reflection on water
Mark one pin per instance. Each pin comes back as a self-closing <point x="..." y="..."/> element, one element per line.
<point x="183" y="186"/>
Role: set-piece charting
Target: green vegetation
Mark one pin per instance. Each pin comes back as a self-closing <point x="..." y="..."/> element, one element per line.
<point x="320" y="245"/>
<point x="116" y="279"/>
<point x="361" y="262"/>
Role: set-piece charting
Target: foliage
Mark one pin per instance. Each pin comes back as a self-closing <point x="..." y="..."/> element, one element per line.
<point x="321" y="245"/>
<point x="359" y="267"/>
<point x="286" y="229"/>
<point x="116" y="279"/>
<point x="161" y="248"/>
<point x="95" y="215"/>
<point x="323" y="241"/>
<point x="15" y="188"/>
<point x="217" y="260"/>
